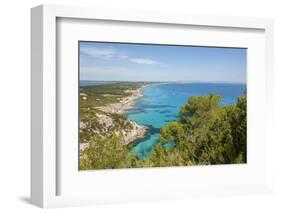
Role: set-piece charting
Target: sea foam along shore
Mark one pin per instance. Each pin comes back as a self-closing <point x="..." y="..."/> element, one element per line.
<point x="137" y="131"/>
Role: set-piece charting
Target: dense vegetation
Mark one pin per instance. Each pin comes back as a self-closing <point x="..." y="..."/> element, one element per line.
<point x="106" y="153"/>
<point x="204" y="133"/>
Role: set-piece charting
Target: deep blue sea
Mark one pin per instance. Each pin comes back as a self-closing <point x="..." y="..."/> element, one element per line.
<point x="161" y="104"/>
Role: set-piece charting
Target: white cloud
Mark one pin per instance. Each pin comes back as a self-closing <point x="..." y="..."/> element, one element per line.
<point x="105" y="53"/>
<point x="143" y="61"/>
<point x="111" y="53"/>
<point x="99" y="52"/>
<point x="123" y="56"/>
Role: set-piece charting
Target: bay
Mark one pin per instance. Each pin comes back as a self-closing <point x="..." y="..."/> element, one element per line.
<point x="161" y="104"/>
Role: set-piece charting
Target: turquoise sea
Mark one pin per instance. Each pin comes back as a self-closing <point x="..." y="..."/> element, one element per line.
<point x="161" y="104"/>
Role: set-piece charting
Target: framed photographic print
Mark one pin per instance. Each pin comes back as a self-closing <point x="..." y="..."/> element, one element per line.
<point x="168" y="105"/>
<point x="130" y="106"/>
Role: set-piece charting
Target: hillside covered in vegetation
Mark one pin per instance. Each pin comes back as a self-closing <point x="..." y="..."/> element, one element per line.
<point x="101" y="113"/>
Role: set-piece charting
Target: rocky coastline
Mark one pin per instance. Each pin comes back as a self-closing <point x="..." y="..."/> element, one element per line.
<point x="136" y="131"/>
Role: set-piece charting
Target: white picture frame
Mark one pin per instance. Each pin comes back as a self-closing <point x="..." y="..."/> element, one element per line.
<point x="44" y="154"/>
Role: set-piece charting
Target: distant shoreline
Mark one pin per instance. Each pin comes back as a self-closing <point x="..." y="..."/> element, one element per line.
<point x="87" y="83"/>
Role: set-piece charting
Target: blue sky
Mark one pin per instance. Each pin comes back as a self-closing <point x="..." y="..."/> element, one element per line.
<point x="138" y="62"/>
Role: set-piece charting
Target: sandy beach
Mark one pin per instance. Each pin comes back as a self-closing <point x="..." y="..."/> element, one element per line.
<point x="125" y="103"/>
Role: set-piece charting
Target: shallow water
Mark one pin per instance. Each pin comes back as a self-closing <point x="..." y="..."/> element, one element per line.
<point x="161" y="104"/>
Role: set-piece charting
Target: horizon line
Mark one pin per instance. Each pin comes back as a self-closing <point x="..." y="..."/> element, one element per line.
<point x="190" y="81"/>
